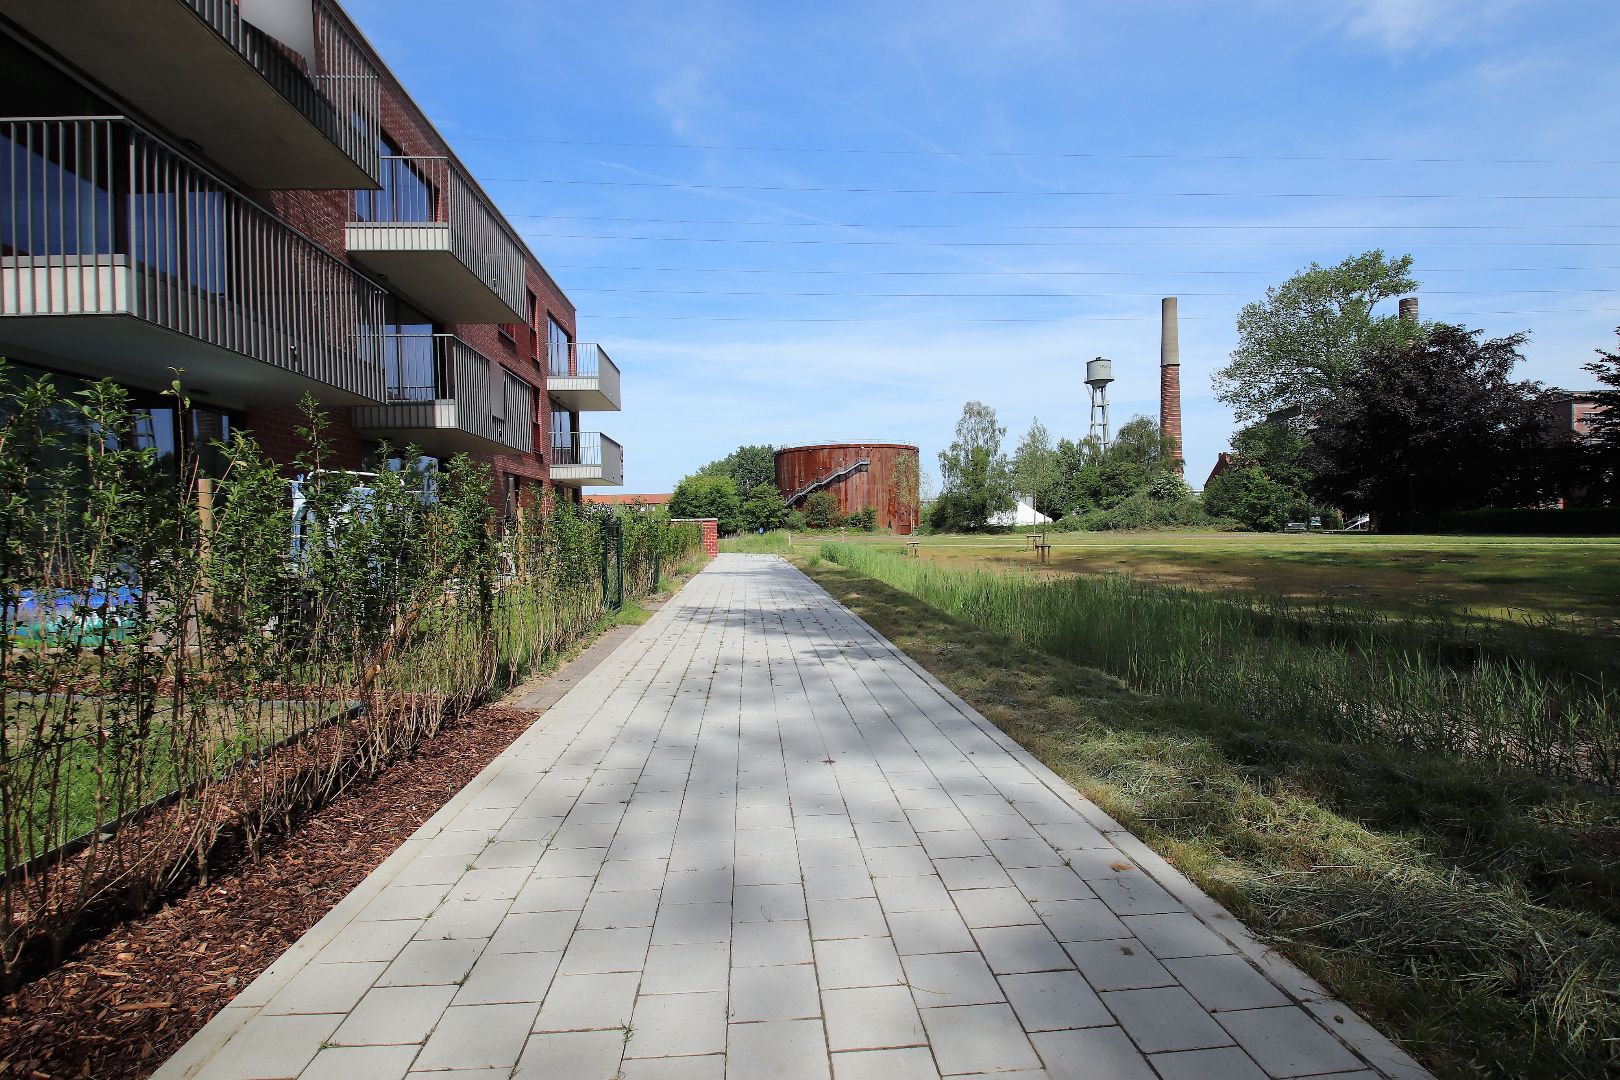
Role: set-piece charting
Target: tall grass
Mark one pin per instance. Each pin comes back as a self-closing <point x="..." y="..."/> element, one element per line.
<point x="1386" y="680"/>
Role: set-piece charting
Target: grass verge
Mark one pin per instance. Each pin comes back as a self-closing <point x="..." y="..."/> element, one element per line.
<point x="1468" y="912"/>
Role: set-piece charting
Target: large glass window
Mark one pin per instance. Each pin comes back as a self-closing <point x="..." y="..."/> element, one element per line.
<point x="557" y="342"/>
<point x="410" y="355"/>
<point x="564" y="446"/>
<point x="406" y="194"/>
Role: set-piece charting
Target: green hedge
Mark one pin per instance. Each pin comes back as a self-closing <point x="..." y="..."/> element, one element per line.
<point x="1593" y="521"/>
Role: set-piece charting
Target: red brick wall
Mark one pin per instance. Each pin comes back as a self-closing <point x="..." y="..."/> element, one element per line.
<point x="1170" y="406"/>
<point x="323" y="215"/>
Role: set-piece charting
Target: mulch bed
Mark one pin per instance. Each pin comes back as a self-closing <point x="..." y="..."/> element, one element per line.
<point x="128" y="999"/>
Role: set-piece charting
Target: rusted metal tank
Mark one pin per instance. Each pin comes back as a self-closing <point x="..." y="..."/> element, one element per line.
<point x="859" y="474"/>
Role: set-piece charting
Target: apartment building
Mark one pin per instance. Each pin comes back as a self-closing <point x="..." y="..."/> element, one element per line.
<point x="242" y="190"/>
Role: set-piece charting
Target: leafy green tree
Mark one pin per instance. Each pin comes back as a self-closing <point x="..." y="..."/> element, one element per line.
<point x="976" y="476"/>
<point x="1297" y="346"/>
<point x="1437" y="424"/>
<point x="1130" y="464"/>
<point x="708" y="497"/>
<point x="1603" y="447"/>
<point x="764" y="508"/>
<point x="1248" y="496"/>
<point x="821" y="510"/>
<point x="1037" y="471"/>
<point x="906" y="488"/>
<point x="748" y="467"/>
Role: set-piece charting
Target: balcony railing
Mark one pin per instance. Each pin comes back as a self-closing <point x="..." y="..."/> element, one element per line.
<point x="582" y="377"/>
<point x="439" y="389"/>
<point x="299" y="113"/>
<point x="427" y="205"/>
<point x="586" y="457"/>
<point x="100" y="218"/>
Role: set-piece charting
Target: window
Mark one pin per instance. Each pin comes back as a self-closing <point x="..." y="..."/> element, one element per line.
<point x="409" y="355"/>
<point x="558" y="341"/>
<point x="406" y="194"/>
<point x="564" y="446"/>
<point x="533" y="309"/>
<point x="514" y="489"/>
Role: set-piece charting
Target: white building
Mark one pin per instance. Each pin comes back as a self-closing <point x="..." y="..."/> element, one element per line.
<point x="1024" y="513"/>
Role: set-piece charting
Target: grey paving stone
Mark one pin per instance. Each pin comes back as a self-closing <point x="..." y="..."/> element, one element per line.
<point x="326" y="988"/>
<point x="686" y="969"/>
<point x="848" y="962"/>
<point x="680" y="924"/>
<point x="1042" y="884"/>
<point x="1288" y="1042"/>
<point x="1091" y="1053"/>
<point x="913" y="1064"/>
<point x="785" y="1049"/>
<point x="1175" y="934"/>
<point x="271" y="1048"/>
<point x="501" y="978"/>
<point x="939" y="980"/>
<point x="898" y="862"/>
<point x="1222" y="1063"/>
<point x="936" y="931"/>
<point x="778" y="868"/>
<point x="398" y="1014"/>
<point x="533" y="931"/>
<point x="1165" y="1018"/>
<point x="619" y="910"/>
<point x="834" y="851"/>
<point x="503" y="883"/>
<point x="577" y="1055"/>
<point x="477" y="1037"/>
<point x="710" y="1067"/>
<point x="697" y="887"/>
<point x="1224" y="983"/>
<point x="978" y="1038"/>
<point x="595" y="951"/>
<point x="554" y="894"/>
<point x="767" y="944"/>
<point x="1080" y="920"/>
<point x="1118" y="964"/>
<point x="632" y="875"/>
<point x="670" y="1025"/>
<point x="1054" y="1000"/>
<point x="871" y="1018"/>
<point x="1023" y="853"/>
<point x="846" y="918"/>
<point x="350" y="1062"/>
<point x="958" y="844"/>
<point x="994" y="907"/>
<point x="1013" y="949"/>
<point x="425" y="963"/>
<point x="972" y="872"/>
<point x="767" y="903"/>
<point x="414" y="902"/>
<point x="582" y="1002"/>
<point x="901" y="894"/>
<point x="1134" y="895"/>
<point x="368" y="942"/>
<point x="463" y="919"/>
<point x="842" y="882"/>
<point x="774" y="993"/>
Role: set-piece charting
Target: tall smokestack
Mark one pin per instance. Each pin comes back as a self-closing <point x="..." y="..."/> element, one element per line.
<point x="1409" y="309"/>
<point x="1170" y="376"/>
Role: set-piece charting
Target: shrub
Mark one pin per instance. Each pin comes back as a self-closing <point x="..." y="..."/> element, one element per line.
<point x="1250" y="498"/>
<point x="796" y="521"/>
<point x="866" y="519"/>
<point x="821" y="510"/>
<point x="708" y="497"/>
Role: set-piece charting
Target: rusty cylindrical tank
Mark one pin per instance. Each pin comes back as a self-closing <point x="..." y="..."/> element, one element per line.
<point x="858" y="474"/>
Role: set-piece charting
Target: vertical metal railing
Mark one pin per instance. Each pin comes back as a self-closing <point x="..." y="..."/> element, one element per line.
<point x="589" y="449"/>
<point x="427" y="368"/>
<point x="421" y="190"/>
<point x="342" y="96"/>
<point x="99" y="217"/>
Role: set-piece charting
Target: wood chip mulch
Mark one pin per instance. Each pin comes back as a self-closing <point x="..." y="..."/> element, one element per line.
<point x="125" y="1001"/>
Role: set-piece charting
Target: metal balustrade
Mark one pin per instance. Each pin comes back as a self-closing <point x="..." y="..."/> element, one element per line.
<point x="440" y="390"/>
<point x="99" y="218"/>
<point x="586" y="458"/>
<point x="427" y="208"/>
<point x="581" y="376"/>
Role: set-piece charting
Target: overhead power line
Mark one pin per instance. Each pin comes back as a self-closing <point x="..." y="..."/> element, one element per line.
<point x="823" y="242"/>
<point x="844" y="294"/>
<point x="1052" y="273"/>
<point x="1051" y="193"/>
<point x="1067" y="318"/>
<point x="1088" y="155"/>
<point x="1179" y="226"/>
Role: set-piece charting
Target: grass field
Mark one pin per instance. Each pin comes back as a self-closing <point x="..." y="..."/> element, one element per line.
<point x="1574" y="579"/>
<point x="1469" y="909"/>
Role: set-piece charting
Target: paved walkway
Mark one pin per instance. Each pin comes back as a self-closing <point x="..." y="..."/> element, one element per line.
<point x="758" y="842"/>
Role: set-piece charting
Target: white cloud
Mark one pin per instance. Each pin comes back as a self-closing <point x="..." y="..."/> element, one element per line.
<point x="1403" y="26"/>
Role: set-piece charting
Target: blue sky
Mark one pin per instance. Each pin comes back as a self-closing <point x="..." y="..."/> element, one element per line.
<point x="710" y="149"/>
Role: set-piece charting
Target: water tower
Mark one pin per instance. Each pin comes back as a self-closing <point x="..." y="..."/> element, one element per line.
<point x="1099" y="373"/>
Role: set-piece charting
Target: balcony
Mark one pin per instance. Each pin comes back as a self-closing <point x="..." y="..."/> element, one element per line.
<point x="582" y="378"/>
<point x="120" y="258"/>
<point x="290" y="103"/>
<point x="430" y="234"/>
<point x="445" y="397"/>
<point x="586" y="459"/>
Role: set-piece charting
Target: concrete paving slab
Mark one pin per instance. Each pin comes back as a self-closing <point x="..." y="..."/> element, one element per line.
<point x="754" y="839"/>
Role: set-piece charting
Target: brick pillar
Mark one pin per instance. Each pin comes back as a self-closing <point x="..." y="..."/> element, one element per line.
<point x="711" y="536"/>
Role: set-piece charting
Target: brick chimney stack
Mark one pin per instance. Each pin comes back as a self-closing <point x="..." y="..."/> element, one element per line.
<point x="1170" y="376"/>
<point x="1409" y="309"/>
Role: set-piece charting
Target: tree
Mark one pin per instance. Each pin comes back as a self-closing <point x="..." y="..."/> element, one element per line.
<point x="1436" y="424"/>
<point x="1130" y="464"/>
<point x="1298" y="345"/>
<point x="1248" y="496"/>
<point x="748" y="467"/>
<point x="764" y="508"/>
<point x="1603" y="448"/>
<point x="905" y="485"/>
<point x="1037" y="471"/>
<point x="976" y="477"/>
<point x="821" y="510"/>
<point x="702" y="496"/>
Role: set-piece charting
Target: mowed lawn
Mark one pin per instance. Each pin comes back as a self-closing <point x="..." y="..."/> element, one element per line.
<point x="1497" y="577"/>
